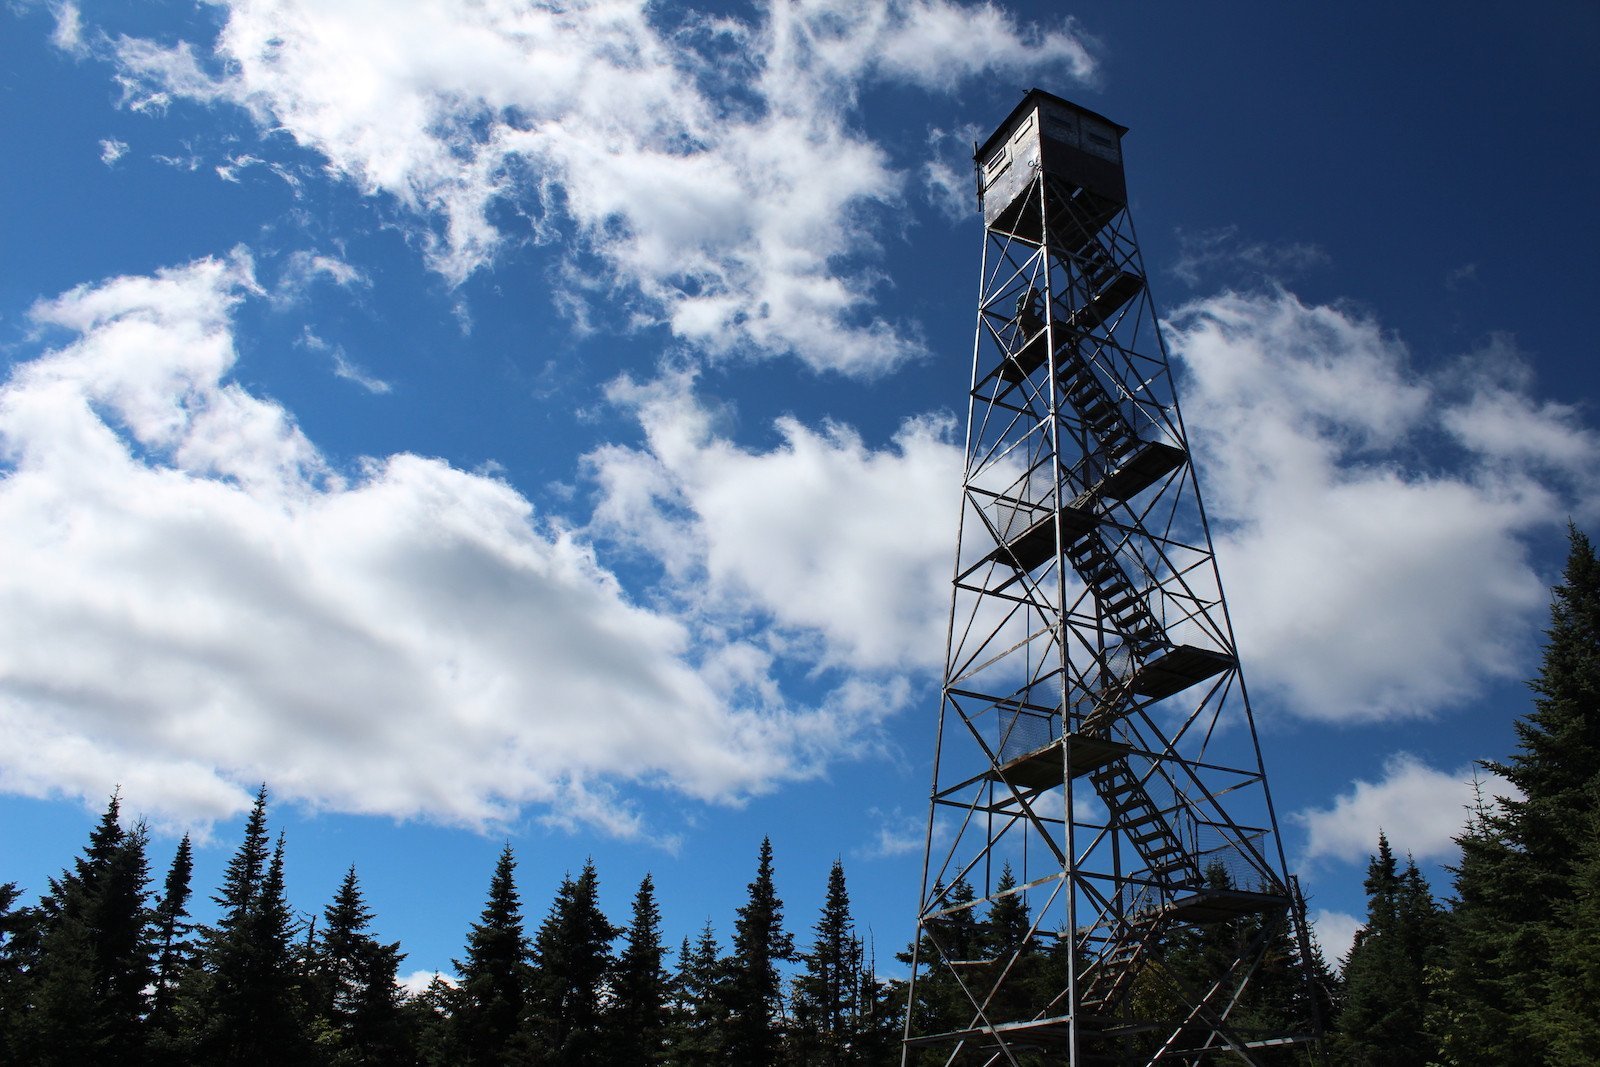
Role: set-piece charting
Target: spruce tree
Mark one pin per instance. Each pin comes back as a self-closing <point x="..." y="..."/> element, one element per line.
<point x="755" y="988"/>
<point x="352" y="982"/>
<point x="174" y="952"/>
<point x="698" y="1019"/>
<point x="1471" y="1002"/>
<point x="881" y="1012"/>
<point x="1522" y="864"/>
<point x="493" y="992"/>
<point x="1571" y="1019"/>
<point x="1009" y="943"/>
<point x="1386" y="1001"/>
<point x="92" y="970"/>
<point x="637" y="1017"/>
<point x="836" y="996"/>
<point x="245" y="1002"/>
<point x="17" y="926"/>
<point x="572" y="960"/>
<point x="425" y="1021"/>
<point x="941" y="1004"/>
<point x="1009" y="920"/>
<point x="1557" y="764"/>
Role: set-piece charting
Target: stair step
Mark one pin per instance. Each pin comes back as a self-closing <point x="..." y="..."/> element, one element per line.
<point x="1167" y="850"/>
<point x="1129" y="605"/>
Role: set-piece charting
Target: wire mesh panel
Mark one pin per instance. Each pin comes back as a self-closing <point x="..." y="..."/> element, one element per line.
<point x="1104" y="876"/>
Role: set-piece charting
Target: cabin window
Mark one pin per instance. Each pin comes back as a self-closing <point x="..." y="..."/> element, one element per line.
<point x="1062" y="129"/>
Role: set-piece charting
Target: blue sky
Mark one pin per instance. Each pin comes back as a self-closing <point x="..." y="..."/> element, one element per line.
<point x="543" y="425"/>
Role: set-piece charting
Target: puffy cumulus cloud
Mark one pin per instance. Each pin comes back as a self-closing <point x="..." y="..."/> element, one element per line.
<point x="205" y="603"/>
<point x="417" y="982"/>
<point x="1369" y="521"/>
<point x="1421" y="810"/>
<point x="707" y="172"/>
<point x="831" y="540"/>
<point x="1336" y="934"/>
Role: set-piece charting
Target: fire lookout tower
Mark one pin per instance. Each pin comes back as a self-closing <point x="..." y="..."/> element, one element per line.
<point x="1104" y="881"/>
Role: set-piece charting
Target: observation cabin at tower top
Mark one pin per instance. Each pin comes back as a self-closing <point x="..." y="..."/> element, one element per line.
<point x="1046" y="133"/>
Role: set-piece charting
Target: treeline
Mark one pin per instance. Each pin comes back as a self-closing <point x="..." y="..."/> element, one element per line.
<point x="104" y="970"/>
<point x="1508" y="971"/>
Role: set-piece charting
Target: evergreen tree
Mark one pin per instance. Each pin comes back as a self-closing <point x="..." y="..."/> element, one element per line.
<point x="1522" y="863"/>
<point x="1557" y="764"/>
<point x="1470" y="1002"/>
<point x="174" y="952"/>
<point x="1571" y="1020"/>
<point x="755" y="988"/>
<point x="352" y="982"/>
<point x="698" y="1030"/>
<point x="842" y="1013"/>
<point x="1386" y="1000"/>
<point x="425" y="1023"/>
<point x="1009" y="944"/>
<point x="942" y="1005"/>
<point x="1009" y="927"/>
<point x="92" y="970"/>
<point x="17" y="927"/>
<point x="881" y="1012"/>
<point x="637" y="1018"/>
<point x="826" y="993"/>
<point x="493" y="993"/>
<point x="572" y="959"/>
<point x="244" y="1004"/>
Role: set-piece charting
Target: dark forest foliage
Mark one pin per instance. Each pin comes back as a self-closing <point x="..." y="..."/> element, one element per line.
<point x="108" y="968"/>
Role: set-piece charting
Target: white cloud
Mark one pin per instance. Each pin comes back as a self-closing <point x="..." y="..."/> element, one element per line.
<point x="229" y="171"/>
<point x="206" y="604"/>
<point x="947" y="177"/>
<point x="1420" y="809"/>
<point x="1501" y="424"/>
<point x="350" y="372"/>
<point x="1205" y="254"/>
<point x="824" y="536"/>
<point x="112" y="150"/>
<point x="1336" y="933"/>
<point x="741" y="219"/>
<point x="304" y="268"/>
<point x="1373" y="569"/>
<point x="67" y="34"/>
<point x="897" y="834"/>
<point x="417" y="982"/>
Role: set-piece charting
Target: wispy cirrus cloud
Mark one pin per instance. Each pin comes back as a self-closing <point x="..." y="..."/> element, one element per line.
<point x="743" y="219"/>
<point x="1222" y="256"/>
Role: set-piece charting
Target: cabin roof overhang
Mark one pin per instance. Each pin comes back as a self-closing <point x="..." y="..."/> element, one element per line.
<point x="1030" y="99"/>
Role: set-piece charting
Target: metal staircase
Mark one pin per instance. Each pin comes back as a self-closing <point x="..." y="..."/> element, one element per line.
<point x="1108" y="979"/>
<point x="1148" y="827"/>
<point x="1123" y="602"/>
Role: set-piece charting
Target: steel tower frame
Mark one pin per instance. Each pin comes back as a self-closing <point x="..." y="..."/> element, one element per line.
<point x="1097" y="770"/>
